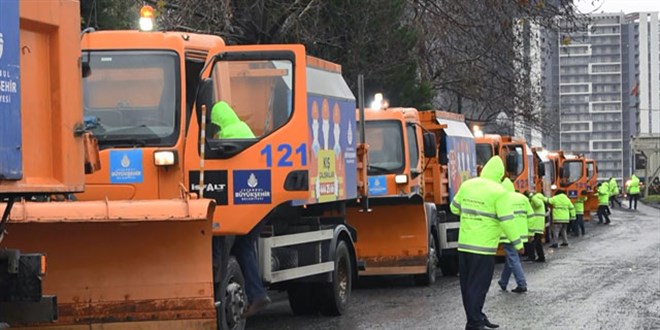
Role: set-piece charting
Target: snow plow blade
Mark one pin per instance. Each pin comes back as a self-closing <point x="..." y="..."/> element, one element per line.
<point x="122" y="264"/>
<point x="392" y="239"/>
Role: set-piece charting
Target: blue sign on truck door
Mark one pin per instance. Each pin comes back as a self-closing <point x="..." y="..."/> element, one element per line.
<point x="11" y="167"/>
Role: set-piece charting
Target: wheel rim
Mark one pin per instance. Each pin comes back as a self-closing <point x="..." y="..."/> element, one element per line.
<point x="342" y="277"/>
<point x="234" y="303"/>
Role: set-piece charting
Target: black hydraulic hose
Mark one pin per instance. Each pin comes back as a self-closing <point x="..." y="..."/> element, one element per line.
<point x="5" y="215"/>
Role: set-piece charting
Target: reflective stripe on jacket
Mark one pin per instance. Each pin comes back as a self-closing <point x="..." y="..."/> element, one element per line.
<point x="603" y="194"/>
<point x="484" y="211"/>
<point x="537" y="225"/>
<point x="521" y="211"/>
<point x="562" y="208"/>
<point x="614" y="187"/>
<point x="579" y="205"/>
<point x="633" y="187"/>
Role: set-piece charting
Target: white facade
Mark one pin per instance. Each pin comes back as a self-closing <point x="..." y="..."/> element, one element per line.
<point x="647" y="70"/>
<point x="591" y="93"/>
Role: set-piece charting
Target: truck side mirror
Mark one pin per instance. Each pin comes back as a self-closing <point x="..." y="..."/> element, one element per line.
<point x="541" y="169"/>
<point x="86" y="69"/>
<point x="512" y="162"/>
<point x="430" y="148"/>
<point x="205" y="94"/>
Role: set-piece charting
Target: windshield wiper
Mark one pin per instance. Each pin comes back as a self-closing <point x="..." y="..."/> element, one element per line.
<point x="378" y="168"/>
<point x="122" y="141"/>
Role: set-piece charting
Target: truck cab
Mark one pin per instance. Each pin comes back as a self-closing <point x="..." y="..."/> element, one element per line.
<point x="514" y="153"/>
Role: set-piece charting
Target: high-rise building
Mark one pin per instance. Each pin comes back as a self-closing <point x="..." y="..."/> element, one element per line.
<point x="608" y="87"/>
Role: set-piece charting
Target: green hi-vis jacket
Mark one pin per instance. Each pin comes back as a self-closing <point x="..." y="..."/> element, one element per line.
<point x="522" y="211"/>
<point x="562" y="208"/>
<point x="603" y="194"/>
<point x="633" y="186"/>
<point x="614" y="187"/>
<point x="482" y="203"/>
<point x="231" y="127"/>
<point x="537" y="223"/>
<point x="579" y="205"/>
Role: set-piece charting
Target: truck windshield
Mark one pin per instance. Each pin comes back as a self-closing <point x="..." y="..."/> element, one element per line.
<point x="132" y="97"/>
<point x="572" y="171"/>
<point x="260" y="92"/>
<point x="591" y="173"/>
<point x="385" y="140"/>
<point x="484" y="153"/>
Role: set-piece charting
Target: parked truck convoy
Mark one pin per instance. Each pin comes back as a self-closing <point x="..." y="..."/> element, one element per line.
<point x="114" y="247"/>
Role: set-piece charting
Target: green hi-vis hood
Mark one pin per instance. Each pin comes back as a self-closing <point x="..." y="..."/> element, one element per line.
<point x="231" y="127"/>
<point x="508" y="185"/>
<point x="494" y="169"/>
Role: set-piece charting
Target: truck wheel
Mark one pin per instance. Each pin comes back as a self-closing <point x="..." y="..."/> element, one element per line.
<point x="301" y="298"/>
<point x="431" y="266"/>
<point x="449" y="265"/>
<point x="234" y="301"/>
<point x="336" y="294"/>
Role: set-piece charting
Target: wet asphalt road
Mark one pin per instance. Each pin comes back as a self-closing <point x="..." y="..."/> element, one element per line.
<point x="609" y="279"/>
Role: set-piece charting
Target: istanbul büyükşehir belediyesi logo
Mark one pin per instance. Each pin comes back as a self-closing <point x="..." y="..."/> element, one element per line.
<point x="1" y="45"/>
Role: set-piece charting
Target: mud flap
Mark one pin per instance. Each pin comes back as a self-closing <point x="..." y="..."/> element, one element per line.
<point x="393" y="237"/>
<point x="123" y="261"/>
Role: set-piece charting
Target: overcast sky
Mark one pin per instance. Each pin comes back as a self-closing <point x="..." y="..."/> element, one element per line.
<point x="615" y="6"/>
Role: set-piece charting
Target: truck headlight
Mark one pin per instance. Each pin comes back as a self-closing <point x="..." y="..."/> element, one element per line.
<point x="165" y="158"/>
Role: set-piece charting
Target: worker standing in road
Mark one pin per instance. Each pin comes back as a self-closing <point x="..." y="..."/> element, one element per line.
<point x="578" y="224"/>
<point x="232" y="127"/>
<point x="521" y="212"/>
<point x="562" y="211"/>
<point x="484" y="213"/>
<point x="603" y="194"/>
<point x="536" y="227"/>
<point x="633" y="191"/>
<point x="614" y="192"/>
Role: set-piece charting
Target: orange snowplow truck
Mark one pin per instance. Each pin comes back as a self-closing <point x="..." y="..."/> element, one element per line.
<point x="67" y="263"/>
<point x="399" y="236"/>
<point x="515" y="154"/>
<point x="417" y="161"/>
<point x="152" y="95"/>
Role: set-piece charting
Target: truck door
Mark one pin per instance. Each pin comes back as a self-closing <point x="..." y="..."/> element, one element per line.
<point x="255" y="145"/>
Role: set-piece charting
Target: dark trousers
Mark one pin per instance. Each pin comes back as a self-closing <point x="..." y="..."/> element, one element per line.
<point x="578" y="225"/>
<point x="614" y="199"/>
<point x="602" y="213"/>
<point x="476" y="272"/>
<point x="631" y="198"/>
<point x="246" y="255"/>
<point x="535" y="247"/>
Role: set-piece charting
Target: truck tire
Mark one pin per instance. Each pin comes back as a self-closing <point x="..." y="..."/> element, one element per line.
<point x="336" y="294"/>
<point x="431" y="266"/>
<point x="301" y="298"/>
<point x="234" y="301"/>
<point x="449" y="265"/>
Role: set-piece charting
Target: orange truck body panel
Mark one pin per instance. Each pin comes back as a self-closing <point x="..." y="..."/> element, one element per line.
<point x="50" y="99"/>
<point x="124" y="264"/>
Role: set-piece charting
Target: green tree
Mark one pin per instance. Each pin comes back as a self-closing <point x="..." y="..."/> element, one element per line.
<point x="109" y="14"/>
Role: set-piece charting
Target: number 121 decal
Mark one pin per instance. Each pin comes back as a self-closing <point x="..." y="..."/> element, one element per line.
<point x="284" y="155"/>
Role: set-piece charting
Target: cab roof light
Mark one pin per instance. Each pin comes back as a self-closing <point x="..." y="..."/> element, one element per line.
<point x="146" y="18"/>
